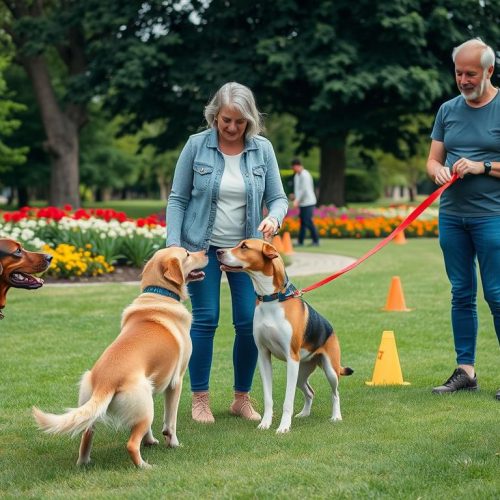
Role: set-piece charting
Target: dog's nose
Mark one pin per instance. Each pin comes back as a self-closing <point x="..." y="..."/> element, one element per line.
<point x="48" y="258"/>
<point x="219" y="252"/>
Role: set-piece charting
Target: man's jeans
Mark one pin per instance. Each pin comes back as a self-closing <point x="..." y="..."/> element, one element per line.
<point x="465" y="240"/>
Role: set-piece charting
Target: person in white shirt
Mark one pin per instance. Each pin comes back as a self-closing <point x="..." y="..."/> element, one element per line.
<point x="305" y="200"/>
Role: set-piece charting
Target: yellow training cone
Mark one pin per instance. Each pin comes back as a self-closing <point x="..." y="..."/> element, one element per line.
<point x="395" y="298"/>
<point x="387" y="369"/>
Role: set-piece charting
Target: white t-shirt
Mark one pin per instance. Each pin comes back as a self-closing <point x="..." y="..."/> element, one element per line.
<point x="229" y="225"/>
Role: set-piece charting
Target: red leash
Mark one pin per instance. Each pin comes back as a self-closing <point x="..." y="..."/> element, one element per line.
<point x="409" y="219"/>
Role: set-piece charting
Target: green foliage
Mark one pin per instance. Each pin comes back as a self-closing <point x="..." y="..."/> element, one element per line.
<point x="34" y="173"/>
<point x="9" y="122"/>
<point x="108" y="162"/>
<point x="362" y="186"/>
<point x="137" y="249"/>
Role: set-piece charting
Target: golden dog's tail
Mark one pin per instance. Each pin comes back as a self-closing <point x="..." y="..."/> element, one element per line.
<point x="75" y="420"/>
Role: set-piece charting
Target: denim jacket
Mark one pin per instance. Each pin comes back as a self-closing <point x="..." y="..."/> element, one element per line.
<point x="192" y="204"/>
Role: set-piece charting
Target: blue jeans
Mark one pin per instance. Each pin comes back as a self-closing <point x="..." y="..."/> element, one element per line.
<point x="465" y="240"/>
<point x="205" y="301"/>
<point x="306" y="222"/>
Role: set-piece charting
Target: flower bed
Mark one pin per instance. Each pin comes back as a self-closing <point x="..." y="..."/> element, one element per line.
<point x="84" y="242"/>
<point x="332" y="222"/>
<point x="88" y="243"/>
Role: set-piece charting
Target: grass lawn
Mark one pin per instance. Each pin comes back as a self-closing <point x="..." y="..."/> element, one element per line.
<point x="394" y="442"/>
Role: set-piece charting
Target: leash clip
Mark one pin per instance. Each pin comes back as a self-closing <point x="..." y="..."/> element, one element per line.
<point x="298" y="293"/>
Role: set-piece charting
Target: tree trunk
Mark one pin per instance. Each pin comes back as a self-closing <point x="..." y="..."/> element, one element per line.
<point x="62" y="131"/>
<point x="23" y="199"/>
<point x="332" y="172"/>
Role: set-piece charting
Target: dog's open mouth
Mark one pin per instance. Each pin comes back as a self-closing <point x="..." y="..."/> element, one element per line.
<point x="23" y="280"/>
<point x="195" y="275"/>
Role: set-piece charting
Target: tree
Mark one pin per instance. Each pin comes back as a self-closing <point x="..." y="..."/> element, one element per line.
<point x="62" y="121"/>
<point x="363" y="68"/>
<point x="65" y="48"/>
<point x="344" y="70"/>
<point x="29" y="179"/>
<point x="9" y="156"/>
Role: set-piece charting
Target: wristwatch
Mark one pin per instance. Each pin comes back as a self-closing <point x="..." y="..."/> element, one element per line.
<point x="487" y="167"/>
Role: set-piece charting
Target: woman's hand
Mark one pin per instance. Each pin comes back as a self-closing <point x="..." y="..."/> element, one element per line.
<point x="464" y="166"/>
<point x="269" y="227"/>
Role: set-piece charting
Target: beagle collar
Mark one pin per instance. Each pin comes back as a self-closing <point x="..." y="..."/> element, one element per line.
<point x="288" y="293"/>
<point x="162" y="291"/>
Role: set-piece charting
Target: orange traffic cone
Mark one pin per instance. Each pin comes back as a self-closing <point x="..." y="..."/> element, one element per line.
<point x="400" y="238"/>
<point x="287" y="243"/>
<point x="278" y="243"/>
<point x="395" y="298"/>
<point x="387" y="369"/>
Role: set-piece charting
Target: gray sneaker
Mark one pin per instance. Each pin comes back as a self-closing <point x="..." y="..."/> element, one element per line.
<point x="459" y="381"/>
<point x="497" y="396"/>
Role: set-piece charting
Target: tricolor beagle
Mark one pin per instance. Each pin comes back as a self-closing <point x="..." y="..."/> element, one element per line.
<point x="288" y="327"/>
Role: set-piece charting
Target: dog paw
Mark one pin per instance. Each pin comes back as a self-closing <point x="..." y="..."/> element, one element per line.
<point x="172" y="442"/>
<point x="336" y="418"/>
<point x="283" y="429"/>
<point x="144" y="465"/>
<point x="302" y="414"/>
<point x="150" y="442"/>
<point x="264" y="425"/>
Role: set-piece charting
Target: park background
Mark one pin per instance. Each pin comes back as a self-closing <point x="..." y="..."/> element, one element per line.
<point x="99" y="96"/>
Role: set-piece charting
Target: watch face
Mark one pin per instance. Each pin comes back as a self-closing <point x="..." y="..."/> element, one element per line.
<point x="487" y="164"/>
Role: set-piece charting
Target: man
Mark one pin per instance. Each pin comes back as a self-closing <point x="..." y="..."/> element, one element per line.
<point x="466" y="141"/>
<point x="305" y="199"/>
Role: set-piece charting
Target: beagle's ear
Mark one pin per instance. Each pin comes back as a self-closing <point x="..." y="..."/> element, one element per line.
<point x="173" y="271"/>
<point x="269" y="251"/>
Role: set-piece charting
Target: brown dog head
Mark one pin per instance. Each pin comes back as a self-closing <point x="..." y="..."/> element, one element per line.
<point x="255" y="257"/>
<point x="172" y="268"/>
<point x="17" y="267"/>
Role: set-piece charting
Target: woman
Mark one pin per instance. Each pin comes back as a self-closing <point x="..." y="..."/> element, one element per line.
<point x="222" y="178"/>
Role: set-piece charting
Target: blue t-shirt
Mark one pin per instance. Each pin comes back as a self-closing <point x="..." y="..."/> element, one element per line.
<point x="472" y="133"/>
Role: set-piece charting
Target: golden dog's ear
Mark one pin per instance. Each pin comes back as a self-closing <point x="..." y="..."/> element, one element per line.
<point x="269" y="251"/>
<point x="173" y="271"/>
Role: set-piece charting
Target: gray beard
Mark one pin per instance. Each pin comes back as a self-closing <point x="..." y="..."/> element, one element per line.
<point x="476" y="93"/>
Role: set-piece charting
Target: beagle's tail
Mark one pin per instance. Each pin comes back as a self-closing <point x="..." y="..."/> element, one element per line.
<point x="75" y="420"/>
<point x="345" y="371"/>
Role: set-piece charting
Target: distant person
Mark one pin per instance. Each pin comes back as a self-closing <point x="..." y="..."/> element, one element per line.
<point x="305" y="199"/>
<point x="466" y="141"/>
<point x="222" y="179"/>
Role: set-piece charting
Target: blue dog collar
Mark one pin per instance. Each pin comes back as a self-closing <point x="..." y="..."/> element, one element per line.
<point x="161" y="291"/>
<point x="281" y="296"/>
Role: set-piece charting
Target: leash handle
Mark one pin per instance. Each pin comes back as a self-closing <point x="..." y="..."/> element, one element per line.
<point x="406" y="222"/>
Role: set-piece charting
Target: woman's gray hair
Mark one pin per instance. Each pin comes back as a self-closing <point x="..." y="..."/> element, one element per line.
<point x="237" y="96"/>
<point x="487" y="57"/>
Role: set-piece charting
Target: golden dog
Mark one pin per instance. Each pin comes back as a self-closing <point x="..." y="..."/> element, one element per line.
<point x="17" y="266"/>
<point x="150" y="355"/>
